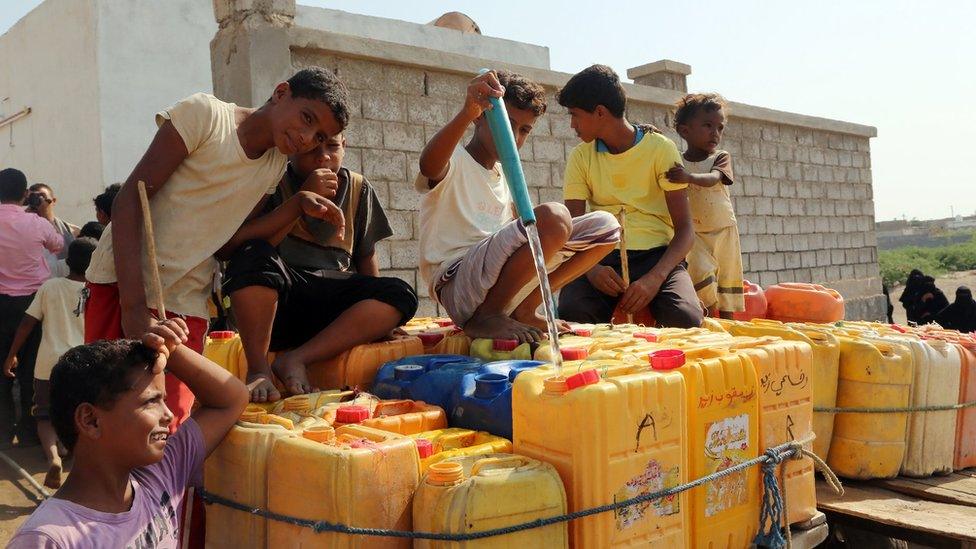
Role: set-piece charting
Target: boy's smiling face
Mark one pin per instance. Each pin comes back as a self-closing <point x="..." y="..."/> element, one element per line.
<point x="704" y="130"/>
<point x="134" y="430"/>
<point x="299" y="124"/>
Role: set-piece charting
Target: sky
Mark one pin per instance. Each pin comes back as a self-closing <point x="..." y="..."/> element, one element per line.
<point x="903" y="67"/>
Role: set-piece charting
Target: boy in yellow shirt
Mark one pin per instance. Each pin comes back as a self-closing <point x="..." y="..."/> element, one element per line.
<point x="621" y="166"/>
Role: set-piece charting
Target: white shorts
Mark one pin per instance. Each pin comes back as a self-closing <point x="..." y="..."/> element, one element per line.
<point x="462" y="287"/>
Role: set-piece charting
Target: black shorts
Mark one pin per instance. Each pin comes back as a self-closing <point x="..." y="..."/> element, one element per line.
<point x="675" y="305"/>
<point x="308" y="299"/>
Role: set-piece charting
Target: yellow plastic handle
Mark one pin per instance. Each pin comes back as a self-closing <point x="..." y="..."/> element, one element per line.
<point x="499" y="461"/>
<point x="701" y="353"/>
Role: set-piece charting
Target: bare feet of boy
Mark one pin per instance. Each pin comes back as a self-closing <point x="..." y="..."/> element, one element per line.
<point x="291" y="372"/>
<point x="501" y="326"/>
<point x="53" y="477"/>
<point x="531" y="318"/>
<point x="262" y="388"/>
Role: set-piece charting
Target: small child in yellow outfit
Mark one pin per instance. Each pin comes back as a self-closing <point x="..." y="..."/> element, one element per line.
<point x="715" y="260"/>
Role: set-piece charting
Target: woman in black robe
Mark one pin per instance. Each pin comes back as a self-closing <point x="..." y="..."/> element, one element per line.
<point x="930" y="301"/>
<point x="961" y="314"/>
<point x="909" y="297"/>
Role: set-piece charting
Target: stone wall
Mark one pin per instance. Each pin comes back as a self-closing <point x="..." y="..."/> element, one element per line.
<point x="803" y="192"/>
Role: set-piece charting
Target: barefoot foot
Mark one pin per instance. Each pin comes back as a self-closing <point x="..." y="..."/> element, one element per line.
<point x="262" y="388"/>
<point x="53" y="477"/>
<point x="501" y="326"/>
<point x="291" y="372"/>
<point x="538" y="321"/>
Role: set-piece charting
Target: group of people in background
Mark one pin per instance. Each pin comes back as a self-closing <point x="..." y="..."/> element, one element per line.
<point x="925" y="303"/>
<point x="42" y="279"/>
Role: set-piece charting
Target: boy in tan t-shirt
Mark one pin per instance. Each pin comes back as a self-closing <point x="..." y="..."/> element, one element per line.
<point x="57" y="308"/>
<point x="210" y="165"/>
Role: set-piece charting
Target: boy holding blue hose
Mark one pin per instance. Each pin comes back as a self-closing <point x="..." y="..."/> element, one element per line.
<point x="473" y="252"/>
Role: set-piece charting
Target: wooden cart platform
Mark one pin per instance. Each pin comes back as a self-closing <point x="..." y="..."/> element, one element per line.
<point x="937" y="511"/>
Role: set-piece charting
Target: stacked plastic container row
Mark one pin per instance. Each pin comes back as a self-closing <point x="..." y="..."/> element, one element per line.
<point x="689" y="404"/>
<point x="872" y="365"/>
<point x="684" y="431"/>
<point x="360" y="462"/>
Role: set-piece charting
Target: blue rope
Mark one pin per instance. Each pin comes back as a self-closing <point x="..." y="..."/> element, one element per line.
<point x="773" y="455"/>
<point x="771" y="511"/>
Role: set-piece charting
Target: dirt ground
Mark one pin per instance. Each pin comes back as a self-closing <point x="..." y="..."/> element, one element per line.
<point x="17" y="497"/>
<point x="947" y="283"/>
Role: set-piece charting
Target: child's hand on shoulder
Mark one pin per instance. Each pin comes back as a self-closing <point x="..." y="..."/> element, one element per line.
<point x="319" y="207"/>
<point x="323" y="182"/>
<point x="9" y="366"/>
<point x="165" y="337"/>
<point x="678" y="174"/>
<point x="479" y="90"/>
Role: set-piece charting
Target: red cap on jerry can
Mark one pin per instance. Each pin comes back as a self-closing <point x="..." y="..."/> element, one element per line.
<point x="351" y="414"/>
<point x="588" y="377"/>
<point x="667" y="359"/>
<point x="505" y="344"/>
<point x="574" y="353"/>
<point x="424" y="448"/>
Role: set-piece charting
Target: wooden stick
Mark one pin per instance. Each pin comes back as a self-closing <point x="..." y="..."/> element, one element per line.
<point x="624" y="261"/>
<point x="155" y="286"/>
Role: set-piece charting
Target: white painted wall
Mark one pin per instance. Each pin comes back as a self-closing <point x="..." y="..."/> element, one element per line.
<point x="95" y="72"/>
<point x="47" y="62"/>
<point x="151" y="53"/>
<point x="414" y="34"/>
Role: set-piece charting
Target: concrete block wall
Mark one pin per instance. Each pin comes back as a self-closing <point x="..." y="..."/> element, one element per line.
<point x="803" y="188"/>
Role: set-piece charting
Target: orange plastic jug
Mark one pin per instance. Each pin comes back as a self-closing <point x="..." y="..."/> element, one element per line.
<point x="478" y="493"/>
<point x="614" y="431"/>
<point x="785" y="371"/>
<point x="447" y="340"/>
<point x="362" y="477"/>
<point x="406" y="417"/>
<point x="358" y="366"/>
<point x="801" y="302"/>
<point x="238" y="470"/>
<point x="642" y="317"/>
<point x="872" y="374"/>
<point x="755" y="299"/>
<point x="723" y="430"/>
<point x="965" y="452"/>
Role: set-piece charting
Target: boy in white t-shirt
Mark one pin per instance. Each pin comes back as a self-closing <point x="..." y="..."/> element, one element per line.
<point x="474" y="254"/>
<point x="210" y="166"/>
<point x="57" y="306"/>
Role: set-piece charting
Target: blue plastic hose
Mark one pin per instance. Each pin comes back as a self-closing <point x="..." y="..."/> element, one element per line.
<point x="501" y="132"/>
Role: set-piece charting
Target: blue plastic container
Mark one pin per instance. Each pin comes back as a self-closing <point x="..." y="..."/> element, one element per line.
<point x="430" y="378"/>
<point x="483" y="400"/>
